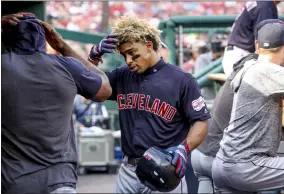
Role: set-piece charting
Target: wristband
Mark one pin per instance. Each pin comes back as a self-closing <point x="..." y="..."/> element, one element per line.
<point x="186" y="147"/>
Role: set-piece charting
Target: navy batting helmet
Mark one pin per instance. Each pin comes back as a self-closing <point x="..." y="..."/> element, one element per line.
<point x="154" y="170"/>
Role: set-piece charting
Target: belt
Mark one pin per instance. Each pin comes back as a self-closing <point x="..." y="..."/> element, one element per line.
<point x="130" y="160"/>
<point x="230" y="47"/>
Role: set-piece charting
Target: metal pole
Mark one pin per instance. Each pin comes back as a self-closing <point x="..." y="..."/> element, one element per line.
<point x="180" y="50"/>
<point x="105" y="17"/>
<point x="170" y="37"/>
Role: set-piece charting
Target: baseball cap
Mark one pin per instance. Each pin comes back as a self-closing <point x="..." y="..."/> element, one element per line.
<point x="271" y="35"/>
<point x="262" y="23"/>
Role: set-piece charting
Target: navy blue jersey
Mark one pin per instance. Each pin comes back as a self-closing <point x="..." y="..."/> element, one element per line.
<point x="38" y="150"/>
<point x="156" y="108"/>
<point x="242" y="34"/>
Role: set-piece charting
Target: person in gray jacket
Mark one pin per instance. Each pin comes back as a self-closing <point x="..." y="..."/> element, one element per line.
<point x="247" y="160"/>
<point x="203" y="156"/>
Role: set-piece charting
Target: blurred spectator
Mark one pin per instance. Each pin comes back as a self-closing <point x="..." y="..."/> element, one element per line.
<point x="205" y="59"/>
<point x="195" y="50"/>
<point x="89" y="113"/>
<point x="88" y="13"/>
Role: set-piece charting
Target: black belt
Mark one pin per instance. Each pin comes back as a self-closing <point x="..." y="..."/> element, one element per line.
<point x="130" y="160"/>
<point x="230" y="47"/>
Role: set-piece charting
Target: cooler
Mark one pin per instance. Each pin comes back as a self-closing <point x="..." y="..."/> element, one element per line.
<point x="95" y="149"/>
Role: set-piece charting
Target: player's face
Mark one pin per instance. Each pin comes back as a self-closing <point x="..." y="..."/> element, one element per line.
<point x="137" y="55"/>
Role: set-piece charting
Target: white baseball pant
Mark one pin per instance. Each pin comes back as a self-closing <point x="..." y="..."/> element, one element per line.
<point x="231" y="57"/>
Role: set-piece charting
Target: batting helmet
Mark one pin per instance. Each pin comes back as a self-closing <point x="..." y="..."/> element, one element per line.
<point x="154" y="170"/>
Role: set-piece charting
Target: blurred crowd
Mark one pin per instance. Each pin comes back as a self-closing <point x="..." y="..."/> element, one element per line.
<point x="86" y="16"/>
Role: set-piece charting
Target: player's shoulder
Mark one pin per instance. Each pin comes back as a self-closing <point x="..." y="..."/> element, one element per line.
<point x="177" y="70"/>
<point x="259" y="5"/>
<point x="250" y="5"/>
<point x="74" y="67"/>
<point x="265" y="4"/>
<point x="122" y="70"/>
<point x="178" y="73"/>
<point x="64" y="60"/>
<point x="238" y="65"/>
<point x="257" y="69"/>
<point x="71" y="64"/>
<point x="264" y="66"/>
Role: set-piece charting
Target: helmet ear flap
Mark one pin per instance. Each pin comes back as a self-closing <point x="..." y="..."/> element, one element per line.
<point x="155" y="171"/>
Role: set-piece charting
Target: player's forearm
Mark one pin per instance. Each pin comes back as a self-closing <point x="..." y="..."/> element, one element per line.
<point x="67" y="51"/>
<point x="197" y="134"/>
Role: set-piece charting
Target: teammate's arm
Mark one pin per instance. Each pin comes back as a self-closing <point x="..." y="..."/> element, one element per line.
<point x="57" y="43"/>
<point x="88" y="83"/>
<point x="106" y="45"/>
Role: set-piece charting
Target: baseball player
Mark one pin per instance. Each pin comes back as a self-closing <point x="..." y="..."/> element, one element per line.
<point x="202" y="157"/>
<point x="159" y="104"/>
<point x="247" y="159"/>
<point x="241" y="38"/>
<point x="38" y="151"/>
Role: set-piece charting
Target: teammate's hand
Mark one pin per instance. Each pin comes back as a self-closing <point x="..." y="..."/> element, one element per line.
<point x="107" y="45"/>
<point x="14" y="19"/>
<point x="180" y="159"/>
<point x="52" y="37"/>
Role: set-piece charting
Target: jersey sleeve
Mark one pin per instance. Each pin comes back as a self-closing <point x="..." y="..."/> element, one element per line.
<point x="263" y="12"/>
<point x="88" y="83"/>
<point x="193" y="104"/>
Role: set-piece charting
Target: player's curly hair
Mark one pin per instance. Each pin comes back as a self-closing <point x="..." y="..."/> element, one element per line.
<point x="133" y="29"/>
